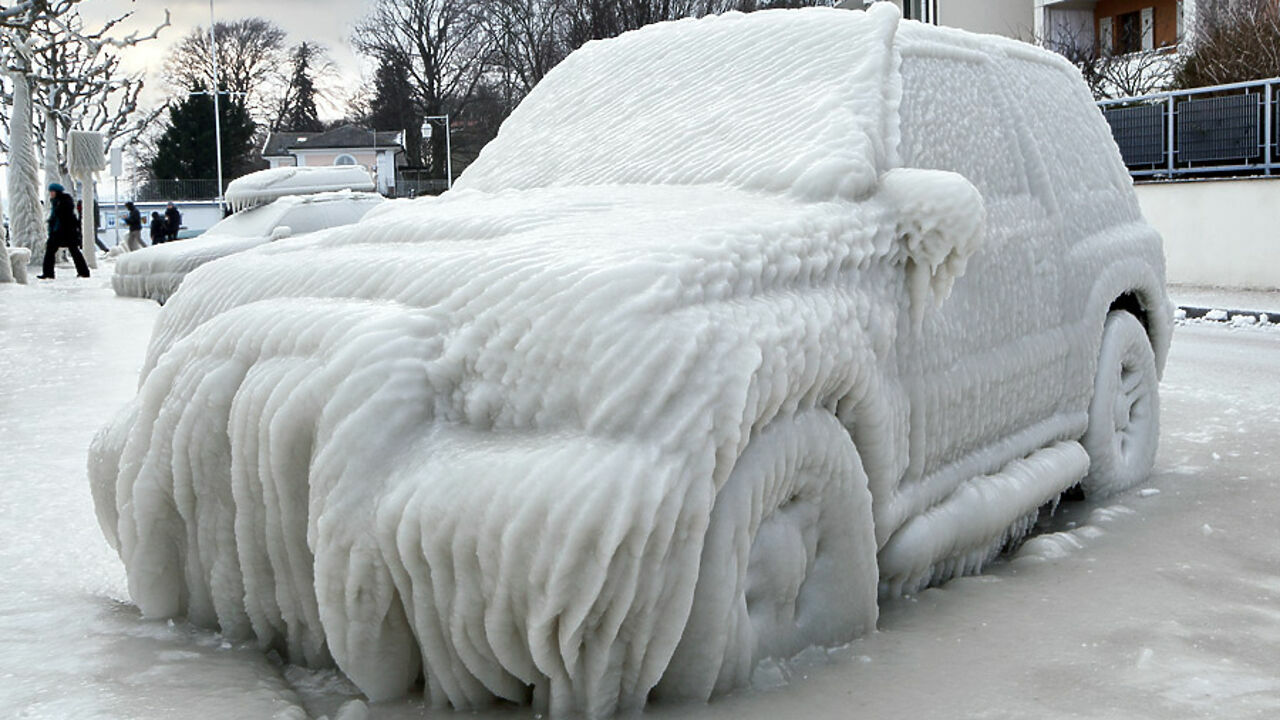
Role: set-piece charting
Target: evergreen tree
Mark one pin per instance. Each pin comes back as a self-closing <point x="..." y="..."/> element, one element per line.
<point x="393" y="106"/>
<point x="185" y="149"/>
<point x="298" y="104"/>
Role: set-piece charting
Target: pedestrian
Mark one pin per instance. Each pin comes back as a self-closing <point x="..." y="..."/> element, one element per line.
<point x="133" y="221"/>
<point x="173" y="222"/>
<point x="158" y="230"/>
<point x="64" y="232"/>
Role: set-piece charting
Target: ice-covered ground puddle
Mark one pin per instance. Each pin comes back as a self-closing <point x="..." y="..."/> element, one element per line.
<point x="603" y="425"/>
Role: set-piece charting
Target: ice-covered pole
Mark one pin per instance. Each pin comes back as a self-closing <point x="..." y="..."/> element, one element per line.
<point x="26" y="226"/>
<point x="85" y="158"/>
<point x="217" y="112"/>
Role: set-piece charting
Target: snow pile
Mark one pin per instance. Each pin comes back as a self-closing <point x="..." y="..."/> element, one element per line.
<point x="619" y="419"/>
<point x="19" y="258"/>
<point x="264" y="186"/>
<point x="156" y="272"/>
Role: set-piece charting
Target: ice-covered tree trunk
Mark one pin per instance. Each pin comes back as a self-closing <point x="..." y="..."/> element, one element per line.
<point x="26" y="227"/>
<point x="85" y="158"/>
<point x="88" y="221"/>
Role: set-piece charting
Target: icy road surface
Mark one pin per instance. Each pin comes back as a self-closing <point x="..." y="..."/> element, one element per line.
<point x="1163" y="603"/>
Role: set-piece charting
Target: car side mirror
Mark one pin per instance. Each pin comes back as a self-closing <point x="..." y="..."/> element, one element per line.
<point x="939" y="222"/>
<point x="281" y="233"/>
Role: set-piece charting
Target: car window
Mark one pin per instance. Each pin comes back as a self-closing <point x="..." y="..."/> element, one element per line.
<point x="1079" y="155"/>
<point x="255" y="222"/>
<point x="953" y="118"/>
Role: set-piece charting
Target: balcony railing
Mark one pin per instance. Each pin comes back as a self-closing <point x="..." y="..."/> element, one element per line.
<point x="1202" y="132"/>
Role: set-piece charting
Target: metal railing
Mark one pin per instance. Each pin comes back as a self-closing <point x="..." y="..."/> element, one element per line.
<point x="1202" y="132"/>
<point x="411" y="182"/>
<point x="164" y="190"/>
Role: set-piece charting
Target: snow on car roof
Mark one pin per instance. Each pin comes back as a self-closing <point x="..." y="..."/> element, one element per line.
<point x="711" y="101"/>
<point x="264" y="186"/>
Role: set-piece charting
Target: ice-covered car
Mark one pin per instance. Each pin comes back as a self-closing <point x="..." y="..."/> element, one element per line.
<point x="271" y="204"/>
<point x="735" y="322"/>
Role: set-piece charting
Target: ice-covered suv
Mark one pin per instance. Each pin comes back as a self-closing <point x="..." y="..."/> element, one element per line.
<point x="737" y="320"/>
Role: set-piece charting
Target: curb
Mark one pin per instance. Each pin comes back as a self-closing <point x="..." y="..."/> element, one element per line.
<point x="1227" y="317"/>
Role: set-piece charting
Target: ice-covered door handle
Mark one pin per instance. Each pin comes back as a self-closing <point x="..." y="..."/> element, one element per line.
<point x="939" y="218"/>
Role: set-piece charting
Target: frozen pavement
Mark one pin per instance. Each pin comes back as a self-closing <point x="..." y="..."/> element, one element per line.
<point x="71" y="646"/>
<point x="1153" y="605"/>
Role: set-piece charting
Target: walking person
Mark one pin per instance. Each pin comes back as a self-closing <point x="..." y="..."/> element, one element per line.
<point x="158" y="229"/>
<point x="64" y="232"/>
<point x="173" y="222"/>
<point x="133" y="221"/>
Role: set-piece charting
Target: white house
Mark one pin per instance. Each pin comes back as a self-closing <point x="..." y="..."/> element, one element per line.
<point x="380" y="152"/>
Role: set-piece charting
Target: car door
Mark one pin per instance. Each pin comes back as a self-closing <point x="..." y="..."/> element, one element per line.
<point x="983" y="371"/>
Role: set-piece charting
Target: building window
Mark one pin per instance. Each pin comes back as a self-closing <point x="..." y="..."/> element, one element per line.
<point x="1135" y="31"/>
<point x="344" y="160"/>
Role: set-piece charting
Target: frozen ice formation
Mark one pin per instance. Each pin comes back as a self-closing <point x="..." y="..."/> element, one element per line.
<point x="654" y="393"/>
<point x="264" y="186"/>
<point x="157" y="271"/>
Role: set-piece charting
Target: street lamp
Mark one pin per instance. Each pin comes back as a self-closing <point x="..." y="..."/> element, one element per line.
<point x="448" y="152"/>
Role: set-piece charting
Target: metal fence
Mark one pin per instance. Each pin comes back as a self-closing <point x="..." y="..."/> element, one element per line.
<point x="165" y="190"/>
<point x="411" y="182"/>
<point x="1219" y="130"/>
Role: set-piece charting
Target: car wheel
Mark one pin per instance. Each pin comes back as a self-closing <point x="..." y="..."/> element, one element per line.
<point x="1124" y="415"/>
<point x="789" y="559"/>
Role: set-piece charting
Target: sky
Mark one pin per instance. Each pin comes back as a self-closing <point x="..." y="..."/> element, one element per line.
<point x="328" y="22"/>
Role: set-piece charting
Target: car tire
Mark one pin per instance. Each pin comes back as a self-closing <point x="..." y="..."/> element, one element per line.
<point x="788" y="562"/>
<point x="1124" y="415"/>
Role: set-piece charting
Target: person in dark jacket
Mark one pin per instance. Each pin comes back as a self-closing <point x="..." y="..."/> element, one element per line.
<point x="172" y="221"/>
<point x="158" y="229"/>
<point x="64" y="232"/>
<point x="133" y="221"/>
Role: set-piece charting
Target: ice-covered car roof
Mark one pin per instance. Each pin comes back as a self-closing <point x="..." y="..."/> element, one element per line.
<point x="265" y="186"/>
<point x="711" y="101"/>
<point x="155" y="272"/>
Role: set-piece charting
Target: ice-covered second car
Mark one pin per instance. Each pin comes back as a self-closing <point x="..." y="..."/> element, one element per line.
<point x="270" y="205"/>
<point x="737" y="322"/>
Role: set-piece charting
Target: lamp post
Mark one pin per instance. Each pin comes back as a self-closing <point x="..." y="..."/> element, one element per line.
<point x="448" y="152"/>
<point x="217" y="115"/>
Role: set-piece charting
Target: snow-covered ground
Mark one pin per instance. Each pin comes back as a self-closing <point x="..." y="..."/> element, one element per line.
<point x="1163" y="603"/>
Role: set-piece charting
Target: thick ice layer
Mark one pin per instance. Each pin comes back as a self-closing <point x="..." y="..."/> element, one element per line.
<point x="492" y="445"/>
<point x="156" y="272"/>
<point x="799" y="103"/>
<point x="264" y="186"/>
<point x="629" y="410"/>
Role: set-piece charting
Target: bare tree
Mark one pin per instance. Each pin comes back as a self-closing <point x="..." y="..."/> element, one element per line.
<point x="1236" y="41"/>
<point x="1110" y="75"/>
<point x="444" y="50"/>
<point x="527" y="38"/>
<point x="251" y="53"/>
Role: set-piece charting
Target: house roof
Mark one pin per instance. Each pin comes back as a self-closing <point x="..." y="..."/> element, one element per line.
<point x="348" y="136"/>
